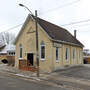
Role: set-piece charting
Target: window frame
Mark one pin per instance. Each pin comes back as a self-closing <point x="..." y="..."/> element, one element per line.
<point x="57" y="54"/>
<point x="11" y="53"/>
<point x="20" y="51"/>
<point x="42" y="45"/>
<point x="66" y="54"/>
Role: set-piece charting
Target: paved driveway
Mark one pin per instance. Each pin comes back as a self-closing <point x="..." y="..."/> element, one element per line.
<point x="75" y="78"/>
<point x="82" y="72"/>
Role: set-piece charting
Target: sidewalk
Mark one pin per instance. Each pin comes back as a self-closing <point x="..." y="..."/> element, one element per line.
<point x="27" y="74"/>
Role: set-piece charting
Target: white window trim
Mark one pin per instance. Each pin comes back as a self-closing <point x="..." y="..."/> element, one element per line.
<point x="57" y="60"/>
<point x="20" y="58"/>
<point x="42" y="59"/>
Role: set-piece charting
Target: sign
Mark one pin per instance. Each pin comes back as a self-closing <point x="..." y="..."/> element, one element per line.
<point x="57" y="45"/>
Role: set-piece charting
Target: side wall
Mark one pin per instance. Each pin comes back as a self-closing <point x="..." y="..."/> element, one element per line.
<point x="78" y="59"/>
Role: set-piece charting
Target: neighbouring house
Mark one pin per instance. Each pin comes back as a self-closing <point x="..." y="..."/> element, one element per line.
<point x="2" y="40"/>
<point x="2" y="46"/>
<point x="57" y="47"/>
<point x="2" y="55"/>
<point x="8" y="53"/>
<point x="86" y="59"/>
<point x="86" y="56"/>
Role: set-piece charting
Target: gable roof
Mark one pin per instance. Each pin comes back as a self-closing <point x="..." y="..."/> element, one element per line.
<point x="58" y="33"/>
<point x="55" y="32"/>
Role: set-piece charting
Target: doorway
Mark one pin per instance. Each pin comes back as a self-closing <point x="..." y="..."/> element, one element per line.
<point x="30" y="58"/>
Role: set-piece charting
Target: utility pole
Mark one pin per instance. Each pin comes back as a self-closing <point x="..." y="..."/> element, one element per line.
<point x="36" y="26"/>
<point x="37" y="54"/>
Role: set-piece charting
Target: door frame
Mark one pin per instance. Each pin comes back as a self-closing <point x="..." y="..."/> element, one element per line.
<point x="29" y="59"/>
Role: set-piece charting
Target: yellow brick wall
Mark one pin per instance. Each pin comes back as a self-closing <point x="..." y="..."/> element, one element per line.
<point x="28" y="41"/>
<point x="70" y="61"/>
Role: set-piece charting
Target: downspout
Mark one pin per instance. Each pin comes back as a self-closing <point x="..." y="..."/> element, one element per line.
<point x="53" y="67"/>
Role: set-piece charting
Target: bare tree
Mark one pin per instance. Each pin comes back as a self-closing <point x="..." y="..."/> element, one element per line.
<point x="9" y="37"/>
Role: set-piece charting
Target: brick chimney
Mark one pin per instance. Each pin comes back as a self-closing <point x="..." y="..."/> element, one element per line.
<point x="75" y="33"/>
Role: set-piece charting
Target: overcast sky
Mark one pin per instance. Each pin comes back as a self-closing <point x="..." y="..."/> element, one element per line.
<point x="59" y="12"/>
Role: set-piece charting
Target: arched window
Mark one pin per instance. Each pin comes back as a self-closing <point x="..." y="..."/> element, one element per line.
<point x="20" y="51"/>
<point x="42" y="50"/>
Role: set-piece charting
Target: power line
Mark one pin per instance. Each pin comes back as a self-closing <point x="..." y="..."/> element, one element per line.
<point x="43" y="13"/>
<point x="83" y="21"/>
<point x="68" y="4"/>
<point x="81" y="26"/>
<point x="12" y="28"/>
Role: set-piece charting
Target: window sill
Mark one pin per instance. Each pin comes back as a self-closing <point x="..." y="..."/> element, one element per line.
<point x="20" y="58"/>
<point x="57" y="61"/>
<point x="42" y="59"/>
<point x="66" y="60"/>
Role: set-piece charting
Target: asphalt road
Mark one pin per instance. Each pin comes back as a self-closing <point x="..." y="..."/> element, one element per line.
<point x="10" y="82"/>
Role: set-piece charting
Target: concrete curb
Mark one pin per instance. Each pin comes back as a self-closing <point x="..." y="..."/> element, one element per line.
<point x="63" y="78"/>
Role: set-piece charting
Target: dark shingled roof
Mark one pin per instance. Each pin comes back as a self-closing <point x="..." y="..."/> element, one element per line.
<point x="58" y="33"/>
<point x="55" y="32"/>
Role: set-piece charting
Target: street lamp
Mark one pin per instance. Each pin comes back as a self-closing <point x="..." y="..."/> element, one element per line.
<point x="35" y="17"/>
<point x="26" y="8"/>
